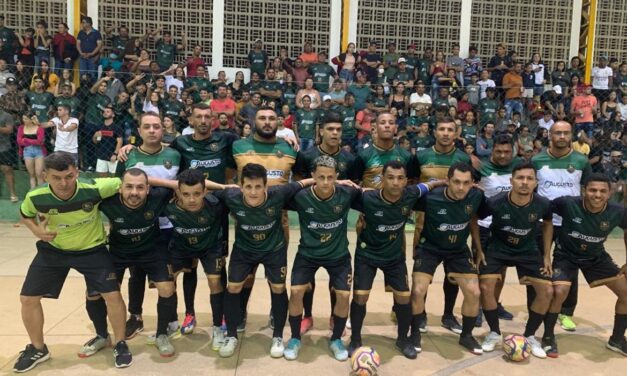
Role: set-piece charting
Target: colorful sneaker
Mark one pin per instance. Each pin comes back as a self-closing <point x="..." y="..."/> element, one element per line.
<point x="620" y="346"/>
<point x="567" y="323"/>
<point x="416" y="340"/>
<point x="164" y="346"/>
<point x="338" y="349"/>
<point x="30" y="357"/>
<point x="188" y="324"/>
<point x="471" y="344"/>
<point x="122" y="355"/>
<point x="305" y="325"/>
<point x="536" y="347"/>
<point x="490" y="341"/>
<point x="172" y="334"/>
<point x="503" y="313"/>
<point x="134" y="325"/>
<point x="228" y="347"/>
<point x="549" y="344"/>
<point x="451" y="323"/>
<point x="223" y="326"/>
<point x="93" y="346"/>
<point x="406" y="348"/>
<point x="277" y="349"/>
<point x="292" y="349"/>
<point x="217" y="339"/>
<point x="353" y="345"/>
<point x="242" y="325"/>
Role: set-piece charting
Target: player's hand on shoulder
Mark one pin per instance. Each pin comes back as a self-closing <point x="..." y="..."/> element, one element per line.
<point x="348" y="183"/>
<point x="123" y="152"/>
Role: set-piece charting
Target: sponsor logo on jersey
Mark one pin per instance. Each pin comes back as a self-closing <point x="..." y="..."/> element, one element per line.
<point x="516" y="231"/>
<point x="376" y="180"/>
<point x="279" y="154"/>
<point x="325" y="226"/>
<point x="558" y="184"/>
<point x="133" y="231"/>
<point x="604" y="225"/>
<point x="503" y="188"/>
<point x="270" y="212"/>
<point x="405" y="210"/>
<point x="570" y="169"/>
<point x="240" y="213"/>
<point x="379" y="214"/>
<point x="506" y="216"/>
<point x="386" y="228"/>
<point x="210" y="163"/>
<point x="341" y="166"/>
<point x="191" y="231"/>
<point x="88" y="206"/>
<point x="259" y="227"/>
<point x="119" y="220"/>
<point x="586" y="238"/>
<point x="275" y="174"/>
<point x="442" y="212"/>
<point x="149" y="215"/>
<point x="309" y="210"/>
<point x="452" y="227"/>
<point x="577" y="220"/>
<point x="190" y="149"/>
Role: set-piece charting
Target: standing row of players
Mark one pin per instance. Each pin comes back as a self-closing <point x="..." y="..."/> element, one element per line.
<point x="322" y="210"/>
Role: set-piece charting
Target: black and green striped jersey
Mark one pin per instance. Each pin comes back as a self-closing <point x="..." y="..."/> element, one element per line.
<point x="514" y="228"/>
<point x="370" y="161"/>
<point x="323" y="223"/>
<point x="306" y="121"/>
<point x="433" y="165"/>
<point x="197" y="231"/>
<point x="583" y="233"/>
<point x="259" y="228"/>
<point x="211" y="156"/>
<point x="77" y="221"/>
<point x="447" y="221"/>
<point x="136" y="230"/>
<point x="305" y="163"/>
<point x="383" y="235"/>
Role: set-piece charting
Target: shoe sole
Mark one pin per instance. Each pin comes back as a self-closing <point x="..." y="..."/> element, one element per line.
<point x="539" y="357"/>
<point x="123" y="365"/>
<point x="405" y="355"/>
<point x="289" y="357"/>
<point x="38" y="361"/>
<point x="552" y="355"/>
<point x="615" y="349"/>
<point x="187" y="331"/>
<point x="423" y="330"/>
<point x="135" y="333"/>
<point x="87" y="355"/>
<point x="227" y="355"/>
<point x="166" y="355"/>
<point x="276" y="355"/>
<point x="569" y="329"/>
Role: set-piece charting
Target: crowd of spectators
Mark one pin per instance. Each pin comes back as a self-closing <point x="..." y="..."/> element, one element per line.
<point x="42" y="109"/>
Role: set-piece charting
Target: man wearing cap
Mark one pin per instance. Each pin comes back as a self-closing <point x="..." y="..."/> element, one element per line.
<point x="553" y="101"/>
<point x="371" y="59"/>
<point x="411" y="60"/>
<point x="403" y="75"/>
<point x="602" y="77"/>
<point x="4" y="75"/>
<point x="68" y="99"/>
<point x="13" y="101"/>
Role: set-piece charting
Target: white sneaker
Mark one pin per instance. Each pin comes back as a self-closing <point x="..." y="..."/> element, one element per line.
<point x="536" y="347"/>
<point x="228" y="347"/>
<point x="490" y="341"/>
<point x="217" y="339"/>
<point x="277" y="349"/>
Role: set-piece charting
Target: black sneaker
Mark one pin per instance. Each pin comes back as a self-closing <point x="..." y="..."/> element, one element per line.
<point x="479" y="319"/>
<point x="620" y="346"/>
<point x="549" y="344"/>
<point x="122" y="355"/>
<point x="470" y="343"/>
<point x="242" y="325"/>
<point x="451" y="323"/>
<point x="133" y="326"/>
<point x="352" y="346"/>
<point x="30" y="357"/>
<point x="503" y="313"/>
<point x="406" y="348"/>
<point x="415" y="339"/>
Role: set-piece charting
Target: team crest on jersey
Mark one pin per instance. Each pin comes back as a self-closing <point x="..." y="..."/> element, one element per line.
<point x="468" y="209"/>
<point x="149" y="215"/>
<point x="119" y="220"/>
<point x="405" y="210"/>
<point x="533" y="217"/>
<point x="270" y="212"/>
<point x="53" y="212"/>
<point x="88" y="206"/>
<point x="167" y="164"/>
<point x="379" y="214"/>
<point x="577" y="220"/>
<point x="337" y="209"/>
<point x="213" y="146"/>
<point x="202" y="220"/>
<point x="604" y="225"/>
<point x="309" y="210"/>
<point x="279" y="154"/>
<point x="341" y="166"/>
<point x="442" y="212"/>
<point x="570" y="169"/>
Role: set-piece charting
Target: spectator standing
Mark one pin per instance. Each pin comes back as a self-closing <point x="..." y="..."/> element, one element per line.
<point x="257" y="59"/>
<point x="348" y="61"/>
<point x="64" y="48"/>
<point x="472" y="65"/>
<point x="575" y="68"/>
<point x="7" y="37"/>
<point x="453" y="61"/>
<point x="321" y="72"/>
<point x="68" y="98"/>
<point x="513" y="85"/>
<point x="485" y="82"/>
<point x="390" y="61"/>
<point x="66" y="130"/>
<point x="498" y="66"/>
<point x="167" y="50"/>
<point x="107" y="140"/>
<point x="96" y="103"/>
<point x="223" y="105"/>
<point x="31" y="144"/>
<point x="193" y="62"/>
<point x="26" y="49"/>
<point x="7" y="154"/>
<point x="271" y="89"/>
<point x="42" y="41"/>
<point x="540" y="74"/>
<point x="560" y="76"/>
<point x="602" y="76"/>
<point x="13" y="101"/>
<point x="583" y="108"/>
<point x="309" y="56"/>
<point x="360" y="91"/>
<point x="370" y="61"/>
<point x="5" y="74"/>
<point x="89" y="45"/>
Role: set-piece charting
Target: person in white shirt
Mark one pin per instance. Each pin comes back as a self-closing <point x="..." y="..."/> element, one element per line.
<point x="546" y="121"/>
<point x="66" y="129"/>
<point x="602" y="80"/>
<point x="485" y="82"/>
<point x="283" y="132"/>
<point x="538" y="69"/>
<point x="419" y="99"/>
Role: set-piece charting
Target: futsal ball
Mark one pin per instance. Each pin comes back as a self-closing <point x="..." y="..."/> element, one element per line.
<point x="516" y="347"/>
<point x="365" y="361"/>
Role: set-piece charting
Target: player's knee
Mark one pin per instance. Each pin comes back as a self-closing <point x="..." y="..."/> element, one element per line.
<point x="560" y="293"/>
<point x="401" y="299"/>
<point x="165" y="289"/>
<point x="487" y="287"/>
<point x="419" y="288"/>
<point x="361" y="299"/>
<point x="113" y="297"/>
<point x="29" y="301"/>
<point x="546" y="291"/>
<point x="214" y="285"/>
<point x="234" y="288"/>
<point x="277" y="288"/>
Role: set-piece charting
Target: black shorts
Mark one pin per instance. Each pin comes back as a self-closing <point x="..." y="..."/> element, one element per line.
<point x="597" y="271"/>
<point x="8" y="158"/>
<point x="212" y="260"/>
<point x="340" y="271"/>
<point x="394" y="275"/>
<point x="528" y="266"/>
<point x="460" y="264"/>
<point x="155" y="264"/>
<point x="49" y="268"/>
<point x="243" y="263"/>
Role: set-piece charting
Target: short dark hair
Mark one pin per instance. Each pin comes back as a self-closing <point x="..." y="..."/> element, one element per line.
<point x="524" y="166"/>
<point x="395" y="165"/>
<point x="461" y="167"/>
<point x="191" y="177"/>
<point x="445" y="120"/>
<point x="331" y="117"/>
<point x="200" y="106"/>
<point x="134" y="171"/>
<point x="88" y="20"/>
<point x="42" y="23"/>
<point x="597" y="177"/>
<point x="503" y="139"/>
<point x="66" y="106"/>
<point x="254" y="171"/>
<point x="59" y="160"/>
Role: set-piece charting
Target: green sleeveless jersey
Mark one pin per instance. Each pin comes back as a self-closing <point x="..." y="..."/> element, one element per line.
<point x="135" y="231"/>
<point x="306" y="123"/>
<point x="514" y="228"/>
<point x="433" y="165"/>
<point x="323" y="223"/>
<point x="305" y="163"/>
<point x="278" y="158"/>
<point x="77" y="221"/>
<point x="447" y="221"/>
<point x="583" y="233"/>
<point x="259" y="229"/>
<point x="383" y="236"/>
<point x="211" y="156"/>
<point x="370" y="161"/>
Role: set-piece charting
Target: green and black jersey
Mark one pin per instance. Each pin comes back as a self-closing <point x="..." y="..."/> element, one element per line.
<point x="305" y="163"/>
<point x="259" y="229"/>
<point x="40" y="104"/>
<point x="321" y="74"/>
<point x="306" y="123"/>
<point x="200" y="83"/>
<point x="583" y="233"/>
<point x="433" y="165"/>
<point x="96" y="103"/>
<point x="135" y="231"/>
<point x="469" y="133"/>
<point x="383" y="235"/>
<point x="211" y="156"/>
<point x="348" y="122"/>
<point x="487" y="111"/>
<point x="421" y="143"/>
<point x="323" y="223"/>
<point x="165" y="53"/>
<point x="370" y="161"/>
<point x="447" y="221"/>
<point x="197" y="231"/>
<point x="514" y="228"/>
<point x="73" y="102"/>
<point x="77" y="221"/>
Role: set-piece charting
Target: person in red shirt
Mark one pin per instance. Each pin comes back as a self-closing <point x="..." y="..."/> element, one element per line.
<point x="64" y="47"/>
<point x="288" y="117"/>
<point x="309" y="56"/>
<point x="583" y="108"/>
<point x="222" y="104"/>
<point x="194" y="61"/>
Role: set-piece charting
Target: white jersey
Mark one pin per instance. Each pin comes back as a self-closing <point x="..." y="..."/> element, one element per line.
<point x="64" y="140"/>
